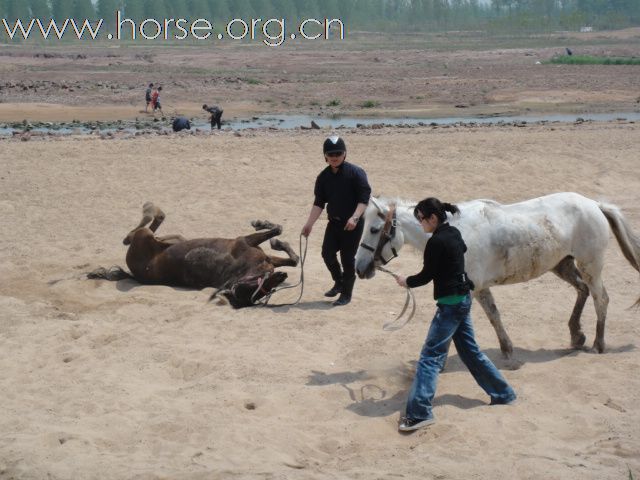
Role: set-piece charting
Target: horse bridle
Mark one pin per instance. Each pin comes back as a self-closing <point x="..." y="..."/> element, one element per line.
<point x="388" y="234"/>
<point x="264" y="301"/>
<point x="260" y="289"/>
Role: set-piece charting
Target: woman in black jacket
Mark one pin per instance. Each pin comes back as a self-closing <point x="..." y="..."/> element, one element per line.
<point x="444" y="264"/>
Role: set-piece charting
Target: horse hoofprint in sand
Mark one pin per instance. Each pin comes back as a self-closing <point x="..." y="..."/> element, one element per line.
<point x="565" y="233"/>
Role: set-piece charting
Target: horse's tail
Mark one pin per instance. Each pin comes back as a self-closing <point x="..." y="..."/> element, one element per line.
<point x="627" y="239"/>
<point x="113" y="274"/>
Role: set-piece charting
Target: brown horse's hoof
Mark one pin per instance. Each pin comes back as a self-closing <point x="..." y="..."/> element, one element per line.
<point x="265" y="225"/>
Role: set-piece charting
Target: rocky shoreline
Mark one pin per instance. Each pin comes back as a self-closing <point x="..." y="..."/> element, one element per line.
<point x="123" y="129"/>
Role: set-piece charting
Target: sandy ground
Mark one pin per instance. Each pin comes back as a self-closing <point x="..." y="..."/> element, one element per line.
<point x="114" y="380"/>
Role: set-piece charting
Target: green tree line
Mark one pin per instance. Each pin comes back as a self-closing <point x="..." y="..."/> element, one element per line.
<point x="385" y="15"/>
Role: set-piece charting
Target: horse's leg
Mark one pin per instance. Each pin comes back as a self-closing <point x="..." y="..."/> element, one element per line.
<point x="281" y="246"/>
<point x="157" y="215"/>
<point x="171" y="239"/>
<point x="568" y="272"/>
<point x="257" y="238"/>
<point x="485" y="299"/>
<point x="591" y="273"/>
<point x="263" y="225"/>
<point x="150" y="213"/>
<point x="282" y="262"/>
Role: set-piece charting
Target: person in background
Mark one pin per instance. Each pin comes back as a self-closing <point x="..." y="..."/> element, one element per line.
<point x="181" y="123"/>
<point x="216" y="115"/>
<point x="147" y="97"/>
<point x="155" y="99"/>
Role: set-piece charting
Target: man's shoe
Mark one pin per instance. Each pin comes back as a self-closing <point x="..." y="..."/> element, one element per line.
<point x="345" y="292"/>
<point x="410" y="424"/>
<point x="342" y="300"/>
<point x="335" y="290"/>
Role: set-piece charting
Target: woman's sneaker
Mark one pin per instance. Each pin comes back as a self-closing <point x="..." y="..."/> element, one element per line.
<point x="503" y="401"/>
<point x="409" y="424"/>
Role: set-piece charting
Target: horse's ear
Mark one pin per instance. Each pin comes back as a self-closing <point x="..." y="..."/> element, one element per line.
<point x="377" y="204"/>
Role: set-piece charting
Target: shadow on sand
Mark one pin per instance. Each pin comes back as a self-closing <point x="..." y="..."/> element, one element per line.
<point x="129" y="284"/>
<point x="315" y="305"/>
<point x="522" y="356"/>
<point x="371" y="400"/>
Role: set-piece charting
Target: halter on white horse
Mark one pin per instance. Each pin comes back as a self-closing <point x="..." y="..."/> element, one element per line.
<point x="388" y="233"/>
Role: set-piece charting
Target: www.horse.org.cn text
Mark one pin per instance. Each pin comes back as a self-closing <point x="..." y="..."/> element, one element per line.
<point x="272" y="32"/>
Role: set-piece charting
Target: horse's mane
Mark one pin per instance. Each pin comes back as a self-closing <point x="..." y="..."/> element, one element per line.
<point x="403" y="202"/>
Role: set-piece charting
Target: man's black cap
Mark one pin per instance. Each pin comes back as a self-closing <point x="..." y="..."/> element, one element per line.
<point x="334" y="144"/>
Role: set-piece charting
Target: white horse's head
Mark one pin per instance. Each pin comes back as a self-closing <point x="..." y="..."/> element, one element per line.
<point x="381" y="239"/>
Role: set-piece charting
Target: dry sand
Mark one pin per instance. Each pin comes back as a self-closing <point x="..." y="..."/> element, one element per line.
<point x="113" y="380"/>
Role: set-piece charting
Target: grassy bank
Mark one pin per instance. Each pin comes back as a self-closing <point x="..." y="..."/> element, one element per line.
<point x="591" y="60"/>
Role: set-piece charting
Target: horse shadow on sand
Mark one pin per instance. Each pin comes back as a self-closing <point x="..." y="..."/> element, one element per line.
<point x="129" y="284"/>
<point x="313" y="305"/>
<point x="522" y="356"/>
<point x="368" y="399"/>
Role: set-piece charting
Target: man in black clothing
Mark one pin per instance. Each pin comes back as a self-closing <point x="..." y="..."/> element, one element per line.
<point x="216" y="115"/>
<point x="344" y="188"/>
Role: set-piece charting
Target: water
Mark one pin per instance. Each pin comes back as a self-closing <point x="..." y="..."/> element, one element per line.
<point x="295" y="121"/>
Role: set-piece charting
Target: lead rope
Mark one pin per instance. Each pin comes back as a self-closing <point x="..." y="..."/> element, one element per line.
<point x="264" y="302"/>
<point x="393" y="325"/>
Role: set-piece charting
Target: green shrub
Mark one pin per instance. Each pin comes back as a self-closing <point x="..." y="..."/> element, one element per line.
<point x="591" y="60"/>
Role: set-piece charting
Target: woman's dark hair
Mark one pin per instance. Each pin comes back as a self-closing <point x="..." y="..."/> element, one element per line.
<point x="432" y="205"/>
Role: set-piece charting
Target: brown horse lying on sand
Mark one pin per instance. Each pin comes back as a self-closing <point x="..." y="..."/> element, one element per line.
<point x="239" y="267"/>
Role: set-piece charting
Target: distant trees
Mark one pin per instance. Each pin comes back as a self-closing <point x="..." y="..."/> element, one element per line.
<point x="400" y="15"/>
<point x="134" y="10"/>
<point x="83" y="9"/>
<point x="39" y="8"/>
<point x="201" y="9"/>
<point x="59" y="8"/>
<point x="106" y="8"/>
<point x="17" y="10"/>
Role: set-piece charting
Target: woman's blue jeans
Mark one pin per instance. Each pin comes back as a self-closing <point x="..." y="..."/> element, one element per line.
<point x="453" y="322"/>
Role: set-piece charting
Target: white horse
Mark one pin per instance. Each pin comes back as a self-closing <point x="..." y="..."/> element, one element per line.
<point x="565" y="233"/>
